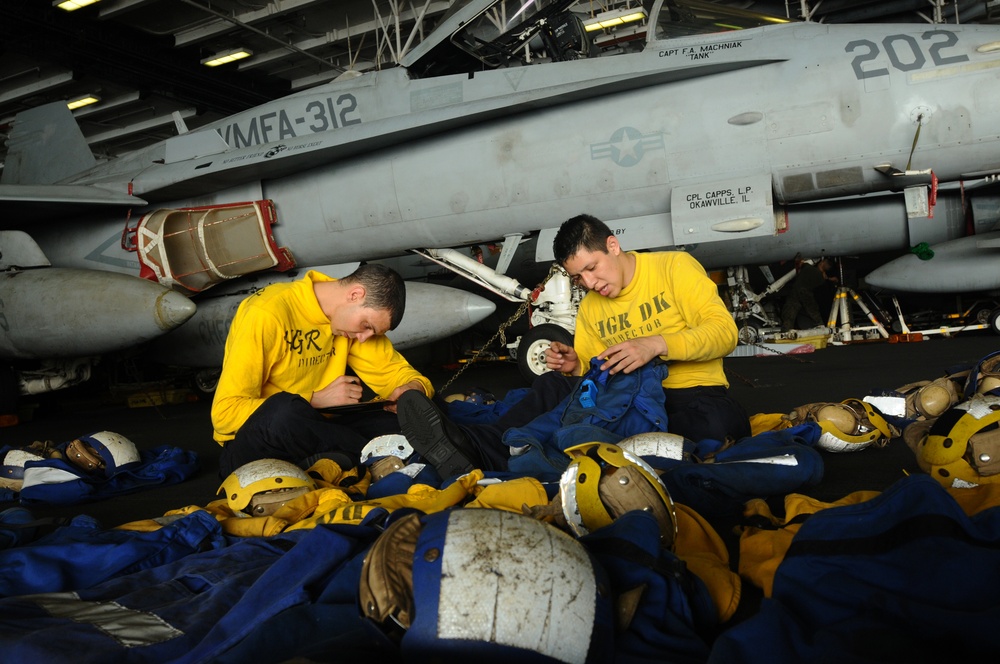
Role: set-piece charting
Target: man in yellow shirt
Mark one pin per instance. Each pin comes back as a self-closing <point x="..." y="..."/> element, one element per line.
<point x="638" y="307"/>
<point x="287" y="356"/>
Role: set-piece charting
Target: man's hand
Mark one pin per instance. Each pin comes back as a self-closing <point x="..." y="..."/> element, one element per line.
<point x="630" y="355"/>
<point x="412" y="385"/>
<point x="560" y="357"/>
<point x="343" y="390"/>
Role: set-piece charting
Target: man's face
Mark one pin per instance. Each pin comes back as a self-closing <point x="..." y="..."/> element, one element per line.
<point x="599" y="271"/>
<point x="356" y="321"/>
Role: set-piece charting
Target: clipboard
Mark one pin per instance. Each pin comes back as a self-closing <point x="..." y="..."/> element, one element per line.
<point x="360" y="407"/>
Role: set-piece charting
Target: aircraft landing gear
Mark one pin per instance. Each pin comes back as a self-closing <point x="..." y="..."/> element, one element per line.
<point x="749" y="334"/>
<point x="995" y="321"/>
<point x="531" y="349"/>
<point x="206" y="380"/>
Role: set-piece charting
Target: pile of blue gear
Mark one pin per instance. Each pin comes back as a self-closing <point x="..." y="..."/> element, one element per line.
<point x="586" y="578"/>
<point x="93" y="467"/>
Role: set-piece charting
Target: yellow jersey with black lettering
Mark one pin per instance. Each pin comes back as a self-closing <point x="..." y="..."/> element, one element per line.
<point x="280" y="341"/>
<point x="670" y="295"/>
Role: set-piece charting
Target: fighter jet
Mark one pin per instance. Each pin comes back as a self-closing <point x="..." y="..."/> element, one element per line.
<point x="742" y="146"/>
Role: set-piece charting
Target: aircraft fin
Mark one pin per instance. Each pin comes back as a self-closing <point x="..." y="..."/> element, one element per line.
<point x="46" y="146"/>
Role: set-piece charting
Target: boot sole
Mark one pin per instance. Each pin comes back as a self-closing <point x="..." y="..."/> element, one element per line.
<point x="422" y="426"/>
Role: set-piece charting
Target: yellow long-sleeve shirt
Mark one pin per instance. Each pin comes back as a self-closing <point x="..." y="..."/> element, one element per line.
<point x="280" y="341"/>
<point x="669" y="295"/>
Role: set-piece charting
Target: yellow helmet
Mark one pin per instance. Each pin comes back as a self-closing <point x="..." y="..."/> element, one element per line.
<point x="848" y="426"/>
<point x="603" y="482"/>
<point x="962" y="447"/>
<point x="265" y="485"/>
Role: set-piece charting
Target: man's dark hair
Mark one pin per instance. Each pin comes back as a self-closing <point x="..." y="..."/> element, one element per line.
<point x="384" y="289"/>
<point x="580" y="232"/>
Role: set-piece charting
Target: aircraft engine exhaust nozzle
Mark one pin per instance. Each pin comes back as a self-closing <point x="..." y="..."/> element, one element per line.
<point x="68" y="312"/>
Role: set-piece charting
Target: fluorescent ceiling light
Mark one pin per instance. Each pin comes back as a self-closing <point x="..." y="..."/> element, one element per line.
<point x="227" y="56"/>
<point x="72" y="5"/>
<point x="85" y="100"/>
<point x="614" y="18"/>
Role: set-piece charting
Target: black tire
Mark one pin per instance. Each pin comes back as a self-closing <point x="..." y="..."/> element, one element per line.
<point x="995" y="321"/>
<point x="531" y="349"/>
<point x="980" y="315"/>
<point x="206" y="380"/>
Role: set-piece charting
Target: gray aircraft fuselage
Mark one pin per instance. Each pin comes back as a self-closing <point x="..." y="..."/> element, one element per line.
<point x="669" y="145"/>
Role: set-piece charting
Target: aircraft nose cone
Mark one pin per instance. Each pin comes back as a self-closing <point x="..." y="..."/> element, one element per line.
<point x="477" y="308"/>
<point x="896" y="275"/>
<point x="172" y="309"/>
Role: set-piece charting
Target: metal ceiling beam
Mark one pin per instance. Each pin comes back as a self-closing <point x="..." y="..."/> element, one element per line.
<point x="39" y="85"/>
<point x="129" y="57"/>
<point x="138" y="127"/>
<point x="225" y="23"/>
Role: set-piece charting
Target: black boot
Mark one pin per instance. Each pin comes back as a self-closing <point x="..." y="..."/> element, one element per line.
<point x="440" y="442"/>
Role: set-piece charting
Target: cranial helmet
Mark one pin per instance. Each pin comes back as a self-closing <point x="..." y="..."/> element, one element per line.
<point x="12" y="462"/>
<point x="658" y="444"/>
<point x="848" y="426"/>
<point x="962" y="447"/>
<point x="104" y="452"/>
<point x="486" y="585"/>
<point x="603" y="481"/>
<point x="265" y="485"/>
<point x="984" y="378"/>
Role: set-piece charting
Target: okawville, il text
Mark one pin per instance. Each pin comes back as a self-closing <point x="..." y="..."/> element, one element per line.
<point x="719" y="198"/>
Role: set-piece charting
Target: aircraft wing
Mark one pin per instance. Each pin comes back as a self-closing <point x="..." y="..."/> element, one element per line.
<point x="30" y="202"/>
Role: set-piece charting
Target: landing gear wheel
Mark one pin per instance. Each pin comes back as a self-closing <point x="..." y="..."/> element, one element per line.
<point x="980" y="315"/>
<point x="206" y="380"/>
<point x="749" y="334"/>
<point x="995" y="321"/>
<point x="532" y="347"/>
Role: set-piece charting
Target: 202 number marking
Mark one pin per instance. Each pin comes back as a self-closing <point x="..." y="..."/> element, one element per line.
<point x="905" y="52"/>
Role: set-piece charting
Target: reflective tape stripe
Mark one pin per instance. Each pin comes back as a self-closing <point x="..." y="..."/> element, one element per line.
<point x="130" y="628"/>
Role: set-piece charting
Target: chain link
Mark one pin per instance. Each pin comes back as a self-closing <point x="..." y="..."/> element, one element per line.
<point x="501" y="331"/>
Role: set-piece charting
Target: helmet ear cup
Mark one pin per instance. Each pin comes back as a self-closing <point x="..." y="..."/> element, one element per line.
<point x="933" y="400"/>
<point x="840" y="416"/>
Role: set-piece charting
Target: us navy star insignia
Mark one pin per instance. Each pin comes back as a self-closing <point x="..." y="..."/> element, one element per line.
<point x="627" y="146"/>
